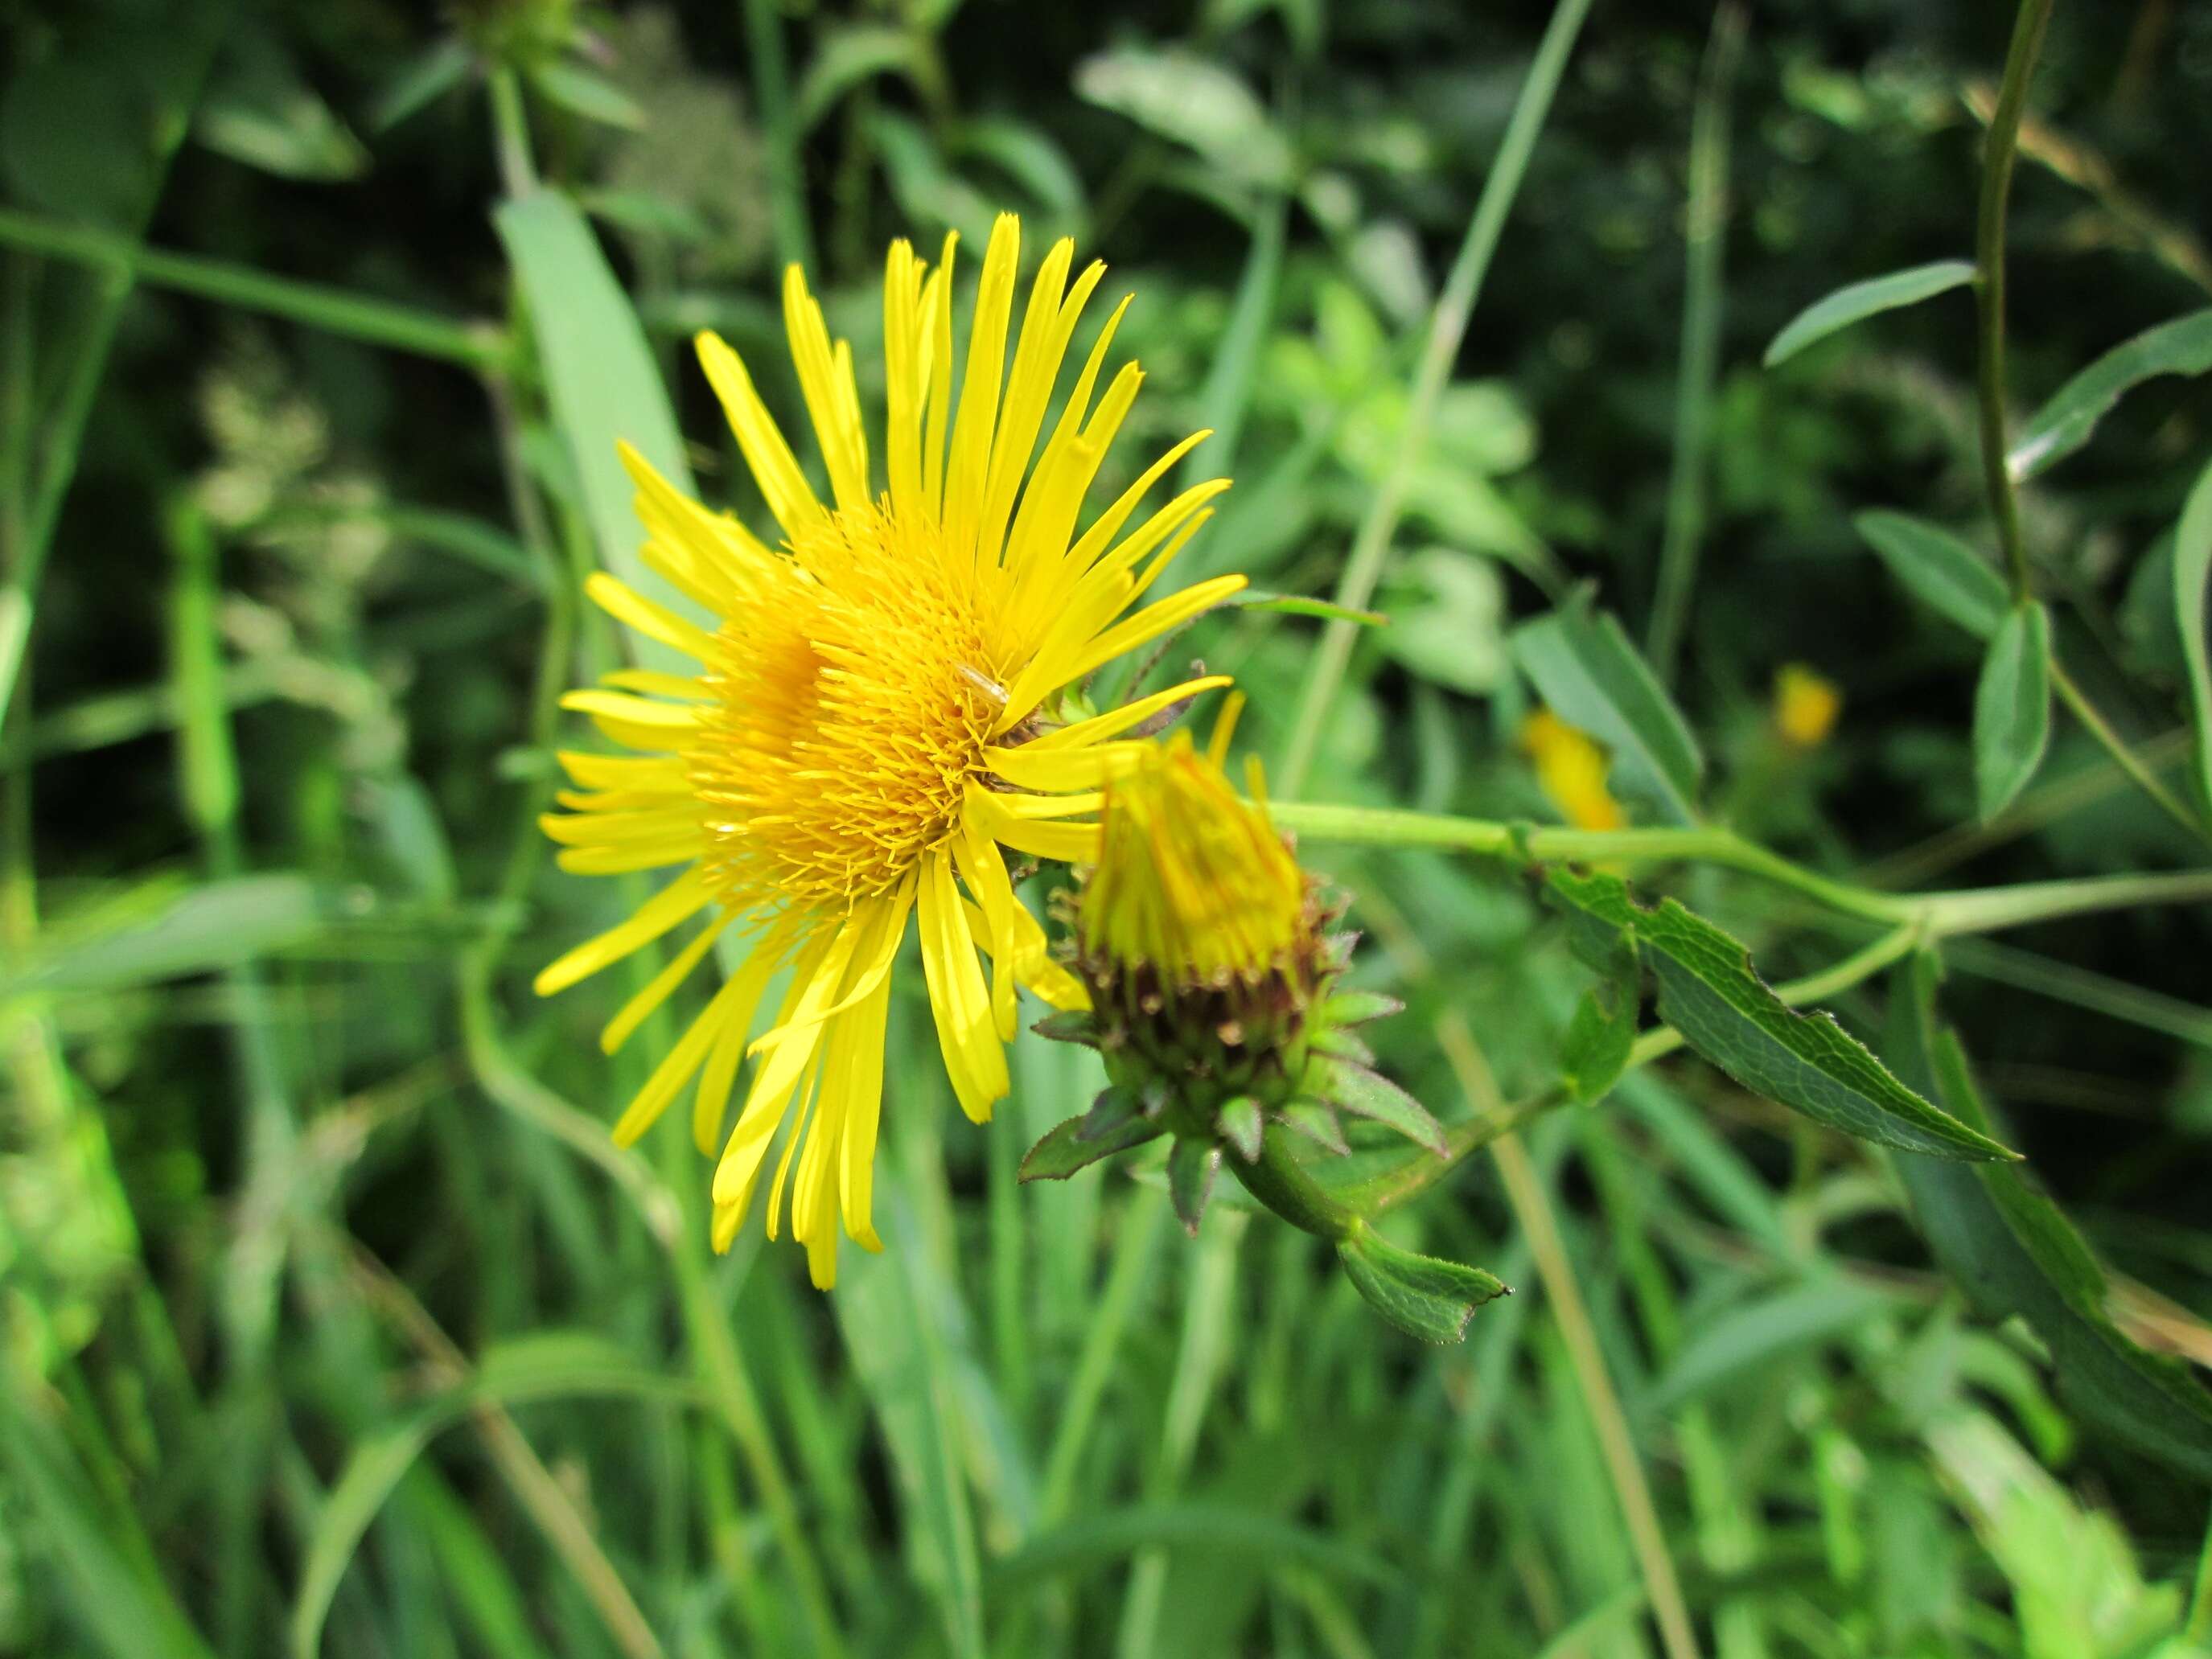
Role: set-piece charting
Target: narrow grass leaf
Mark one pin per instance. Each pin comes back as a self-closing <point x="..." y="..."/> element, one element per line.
<point x="2192" y="575"/>
<point x="2012" y="708"/>
<point x="2183" y="346"/>
<point x="1938" y="569"/>
<point x="1861" y="300"/>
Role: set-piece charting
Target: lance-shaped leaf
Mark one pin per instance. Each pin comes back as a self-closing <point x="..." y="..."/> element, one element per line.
<point x="1370" y="1095"/>
<point x="1422" y="1296"/>
<point x="1708" y="992"/>
<point x="2015" y="1253"/>
<point x="1851" y="304"/>
<point x="1064" y="1151"/>
<point x="1585" y="668"/>
<point x="1318" y="1123"/>
<point x="1938" y="569"/>
<point x="2192" y="575"/>
<point x="2062" y="426"/>
<point x="2012" y="708"/>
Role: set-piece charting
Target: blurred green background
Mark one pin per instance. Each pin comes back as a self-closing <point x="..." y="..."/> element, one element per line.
<point x="331" y="1322"/>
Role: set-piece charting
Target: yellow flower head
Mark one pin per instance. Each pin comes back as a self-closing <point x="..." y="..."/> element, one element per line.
<point x="1571" y="767"/>
<point x="1806" y="705"/>
<point x="867" y="728"/>
<point x="1191" y="880"/>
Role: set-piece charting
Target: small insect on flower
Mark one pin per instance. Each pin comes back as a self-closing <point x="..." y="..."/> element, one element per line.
<point x="872" y="720"/>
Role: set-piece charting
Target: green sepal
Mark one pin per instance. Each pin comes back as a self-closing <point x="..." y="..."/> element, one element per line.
<point x="1421" y="1295"/>
<point x="1318" y="1124"/>
<point x="1343" y="1045"/>
<point x="1369" y="1094"/>
<point x="1241" y="1124"/>
<point x="1063" y="1151"/>
<point x="1358" y="1007"/>
<point x="1069" y="1025"/>
<point x="1191" y="1168"/>
<point x="1115" y="1107"/>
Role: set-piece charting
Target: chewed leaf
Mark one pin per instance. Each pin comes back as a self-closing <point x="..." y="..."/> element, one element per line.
<point x="1064" y="1150"/>
<point x="1708" y="992"/>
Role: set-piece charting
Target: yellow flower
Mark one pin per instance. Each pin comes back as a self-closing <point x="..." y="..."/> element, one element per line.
<point x="872" y="721"/>
<point x="1806" y="705"/>
<point x="1191" y="880"/>
<point x="1571" y="768"/>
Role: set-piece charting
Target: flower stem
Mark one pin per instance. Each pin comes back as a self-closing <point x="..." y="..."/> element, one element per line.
<point x="1999" y="150"/>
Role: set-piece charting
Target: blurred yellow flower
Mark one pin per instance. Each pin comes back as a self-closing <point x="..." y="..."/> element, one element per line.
<point x="868" y="727"/>
<point x="1571" y="767"/>
<point x="1806" y="705"/>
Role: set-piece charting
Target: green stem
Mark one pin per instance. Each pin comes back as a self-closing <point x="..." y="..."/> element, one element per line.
<point x="2139" y="772"/>
<point x="518" y="171"/>
<point x="334" y="311"/>
<point x="1447" y="328"/>
<point x="794" y="244"/>
<point x="1998" y="153"/>
<point x="1707" y="214"/>
<point x="1281" y="1183"/>
<point x="1939" y="914"/>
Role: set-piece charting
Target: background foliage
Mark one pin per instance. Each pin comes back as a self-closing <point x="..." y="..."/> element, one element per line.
<point x="333" y="1323"/>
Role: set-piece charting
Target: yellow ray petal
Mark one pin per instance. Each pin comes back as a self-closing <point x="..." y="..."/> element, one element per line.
<point x="1068" y="843"/>
<point x="676" y="903"/>
<point x="627" y="859"/>
<point x="1099" y="727"/>
<point x="905" y="382"/>
<point x="626" y="605"/>
<point x="863" y="1029"/>
<point x="1150" y="623"/>
<point x="969" y="465"/>
<point x="733" y="1002"/>
<point x="975" y="857"/>
<point x="973" y="1057"/>
<point x="774" y="467"/>
<point x="937" y="369"/>
<point x="1046" y="327"/>
<point x="635" y="1013"/>
<point x="651" y="683"/>
<point x="718" y="534"/>
<point x="815" y="982"/>
<point x="1028" y="767"/>
<point x="825" y="380"/>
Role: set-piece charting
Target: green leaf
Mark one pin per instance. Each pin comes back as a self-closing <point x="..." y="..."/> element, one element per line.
<point x="1424" y="1296"/>
<point x="2183" y="346"/>
<point x="1708" y="992"/>
<point x="1063" y="1150"/>
<point x="2015" y="1254"/>
<point x="422" y="82"/>
<point x="1242" y="1124"/>
<point x="1585" y="668"/>
<point x="1190" y="99"/>
<point x="1594" y="1051"/>
<point x="1368" y="1094"/>
<point x="848" y="56"/>
<point x="603" y="387"/>
<point x="907" y="1342"/>
<point x="259" y="112"/>
<point x="1860" y="300"/>
<point x="1450" y="629"/>
<point x="580" y="91"/>
<point x="2012" y="708"/>
<point x="160" y="932"/>
<point x="1192" y="1166"/>
<point x="2192" y="574"/>
<point x="1938" y="569"/>
<point x="1298" y="604"/>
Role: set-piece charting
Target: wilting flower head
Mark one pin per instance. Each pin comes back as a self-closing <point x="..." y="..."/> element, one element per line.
<point x="872" y="719"/>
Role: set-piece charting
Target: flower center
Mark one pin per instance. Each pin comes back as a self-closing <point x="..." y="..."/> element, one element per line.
<point x="853" y="703"/>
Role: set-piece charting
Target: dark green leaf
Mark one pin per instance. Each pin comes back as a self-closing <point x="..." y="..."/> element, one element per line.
<point x="2012" y="708"/>
<point x="2062" y="426"/>
<point x="1708" y="992"/>
<point x="1584" y="667"/>
<point x="1860" y="300"/>
<point x="1594" y="1051"/>
<point x="2015" y="1254"/>
<point x="849" y="55"/>
<point x="1113" y="1111"/>
<point x="1370" y="1095"/>
<point x="1424" y="1296"/>
<point x="1069" y="1025"/>
<point x="1064" y="1150"/>
<point x="2192" y="575"/>
<point x="1192" y="1166"/>
<point x="259" y="110"/>
<point x="1938" y="569"/>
